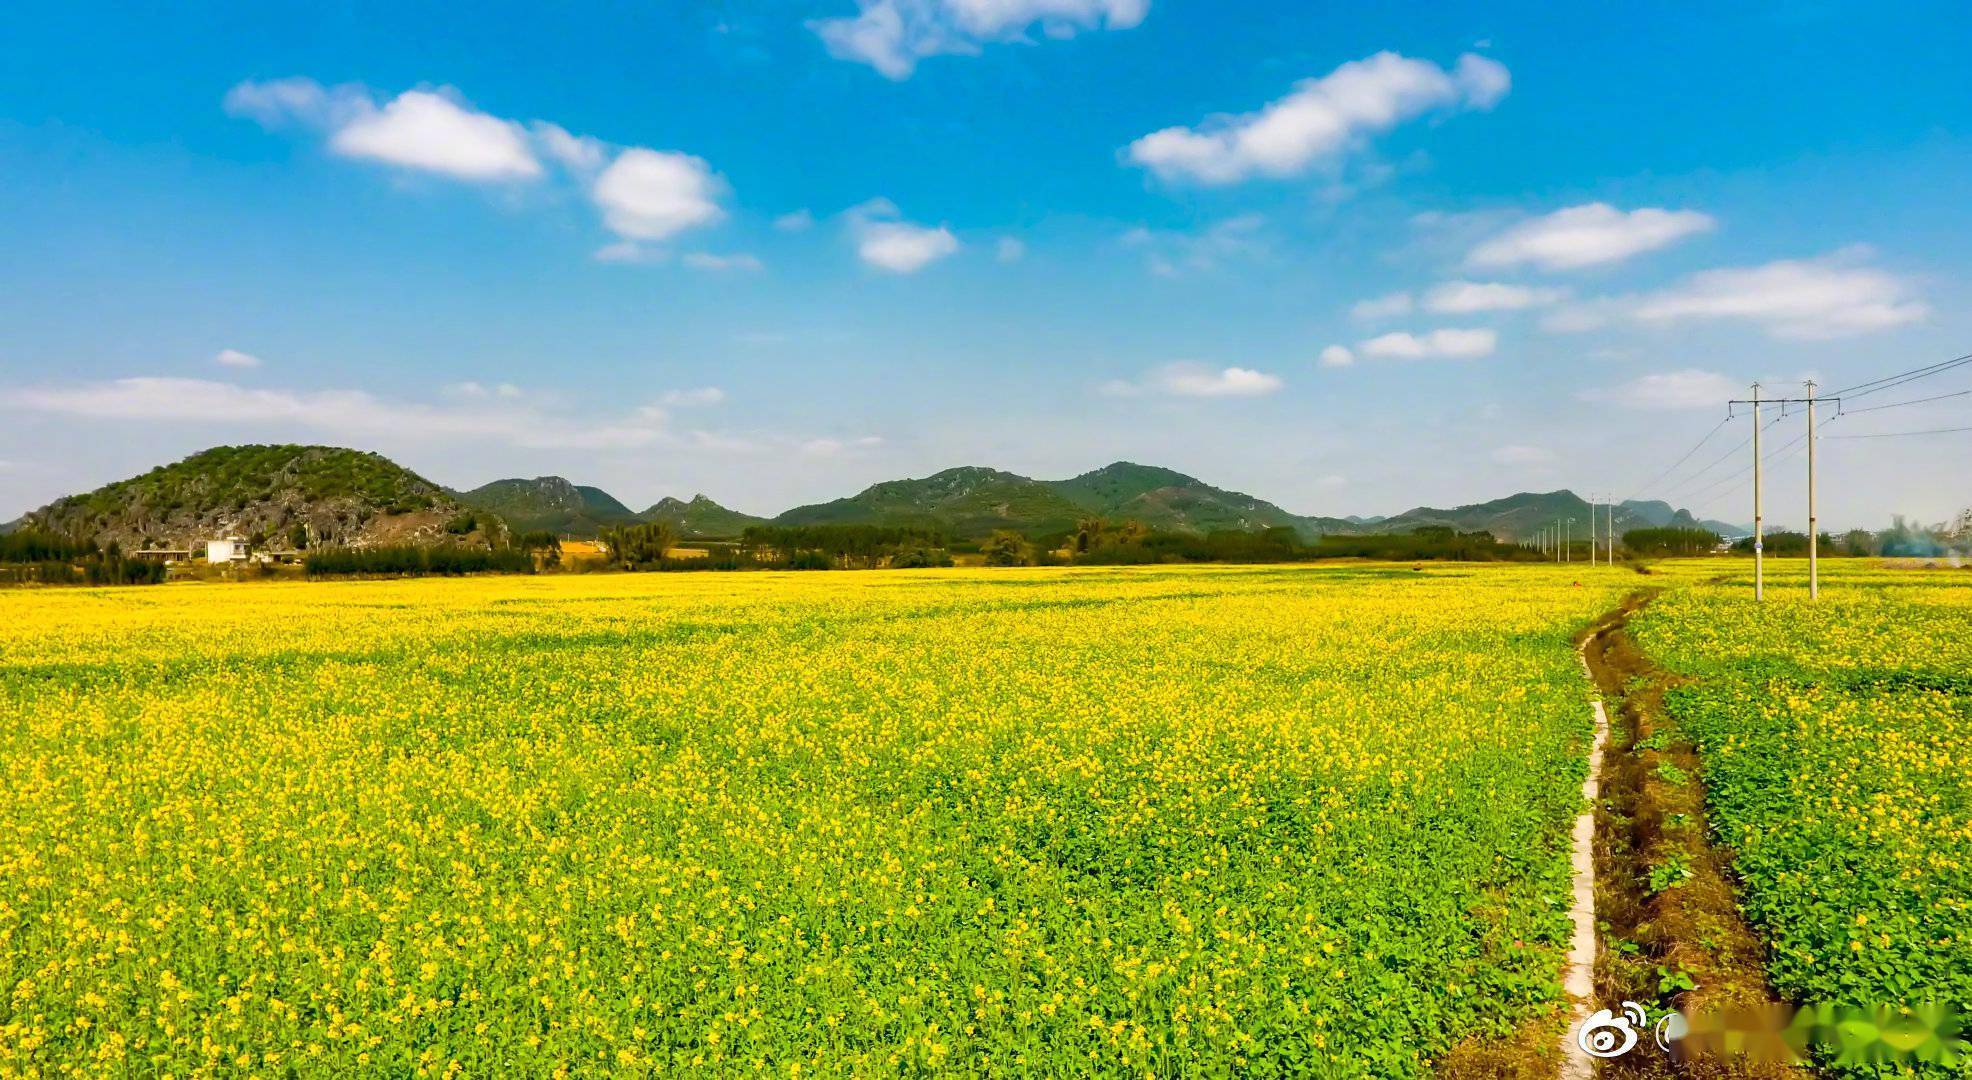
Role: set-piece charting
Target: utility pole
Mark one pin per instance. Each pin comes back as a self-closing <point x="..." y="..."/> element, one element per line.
<point x="1814" y="556"/>
<point x="1612" y="532"/>
<point x="1759" y="552"/>
<point x="1566" y="555"/>
<point x="1759" y="521"/>
<point x="1591" y="530"/>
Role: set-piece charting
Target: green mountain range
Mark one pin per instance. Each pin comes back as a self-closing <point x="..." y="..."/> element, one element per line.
<point x="346" y="496"/>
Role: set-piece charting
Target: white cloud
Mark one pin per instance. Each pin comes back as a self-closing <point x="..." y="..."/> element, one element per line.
<point x="1799" y="299"/>
<point x="577" y="153"/>
<point x="1197" y="380"/>
<point x="652" y="194"/>
<point x="1688" y="389"/>
<point x="351" y="414"/>
<point x="1791" y="299"/>
<point x="794" y="221"/>
<point x="1321" y="120"/>
<point x="1468" y="297"/>
<point x="642" y="194"/>
<point x="234" y="358"/>
<point x="1383" y="307"/>
<point x="280" y="102"/>
<point x="1444" y="344"/>
<point x="1522" y="455"/>
<point x="1337" y="356"/>
<point x="1588" y="235"/>
<point x="893" y="35"/>
<point x="431" y="131"/>
<point x="887" y="242"/>
<point x="1009" y="250"/>
<point x="703" y="395"/>
<point x="738" y="260"/>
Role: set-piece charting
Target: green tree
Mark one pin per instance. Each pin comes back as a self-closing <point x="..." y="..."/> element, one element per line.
<point x="1088" y="533"/>
<point x="634" y="546"/>
<point x="1005" y="548"/>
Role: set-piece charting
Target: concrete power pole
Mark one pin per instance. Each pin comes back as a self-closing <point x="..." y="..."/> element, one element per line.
<point x="1759" y="552"/>
<point x="1814" y="562"/>
<point x="1591" y="530"/>
<point x="1612" y="532"/>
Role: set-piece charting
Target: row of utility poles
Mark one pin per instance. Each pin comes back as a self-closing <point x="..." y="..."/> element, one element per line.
<point x="1759" y="521"/>
<point x="1554" y="540"/>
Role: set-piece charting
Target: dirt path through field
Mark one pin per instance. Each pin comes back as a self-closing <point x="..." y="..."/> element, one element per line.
<point x="1665" y="901"/>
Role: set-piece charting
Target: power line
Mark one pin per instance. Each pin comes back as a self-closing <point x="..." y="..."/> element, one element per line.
<point x="1645" y="489"/>
<point x="1901" y="434"/>
<point x="1727" y="456"/>
<point x="1901" y="404"/>
<point x="1873" y="386"/>
<point x="1723" y="484"/>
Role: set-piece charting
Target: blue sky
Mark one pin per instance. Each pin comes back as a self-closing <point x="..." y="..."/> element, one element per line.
<point x="1345" y="257"/>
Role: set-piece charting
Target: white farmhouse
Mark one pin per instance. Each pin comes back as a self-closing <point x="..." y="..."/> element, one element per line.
<point x="227" y="550"/>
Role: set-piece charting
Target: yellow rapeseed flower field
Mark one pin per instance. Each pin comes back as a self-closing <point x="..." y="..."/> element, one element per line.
<point x="1267" y="821"/>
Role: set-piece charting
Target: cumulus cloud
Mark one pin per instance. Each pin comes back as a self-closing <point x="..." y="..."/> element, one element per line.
<point x="1336" y="356"/>
<point x="794" y="221"/>
<point x="886" y="241"/>
<point x="1009" y="250"/>
<point x="893" y="35"/>
<point x="1688" y="389"/>
<point x="738" y="260"/>
<point x="1588" y="235"/>
<point x="1187" y="379"/>
<point x="1442" y="344"/>
<point x="1791" y="299"/>
<point x="653" y="194"/>
<point x="642" y="194"/>
<point x="1322" y="119"/>
<point x="234" y="358"/>
<point x="1469" y="297"/>
<point x="422" y="130"/>
<point x="1383" y="307"/>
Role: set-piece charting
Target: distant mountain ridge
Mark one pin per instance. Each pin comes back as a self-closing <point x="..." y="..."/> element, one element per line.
<point x="348" y="496"/>
<point x="550" y="504"/>
<point x="1522" y="516"/>
<point x="700" y="517"/>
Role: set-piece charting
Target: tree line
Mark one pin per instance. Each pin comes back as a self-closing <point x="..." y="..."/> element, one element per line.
<point x="49" y="558"/>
